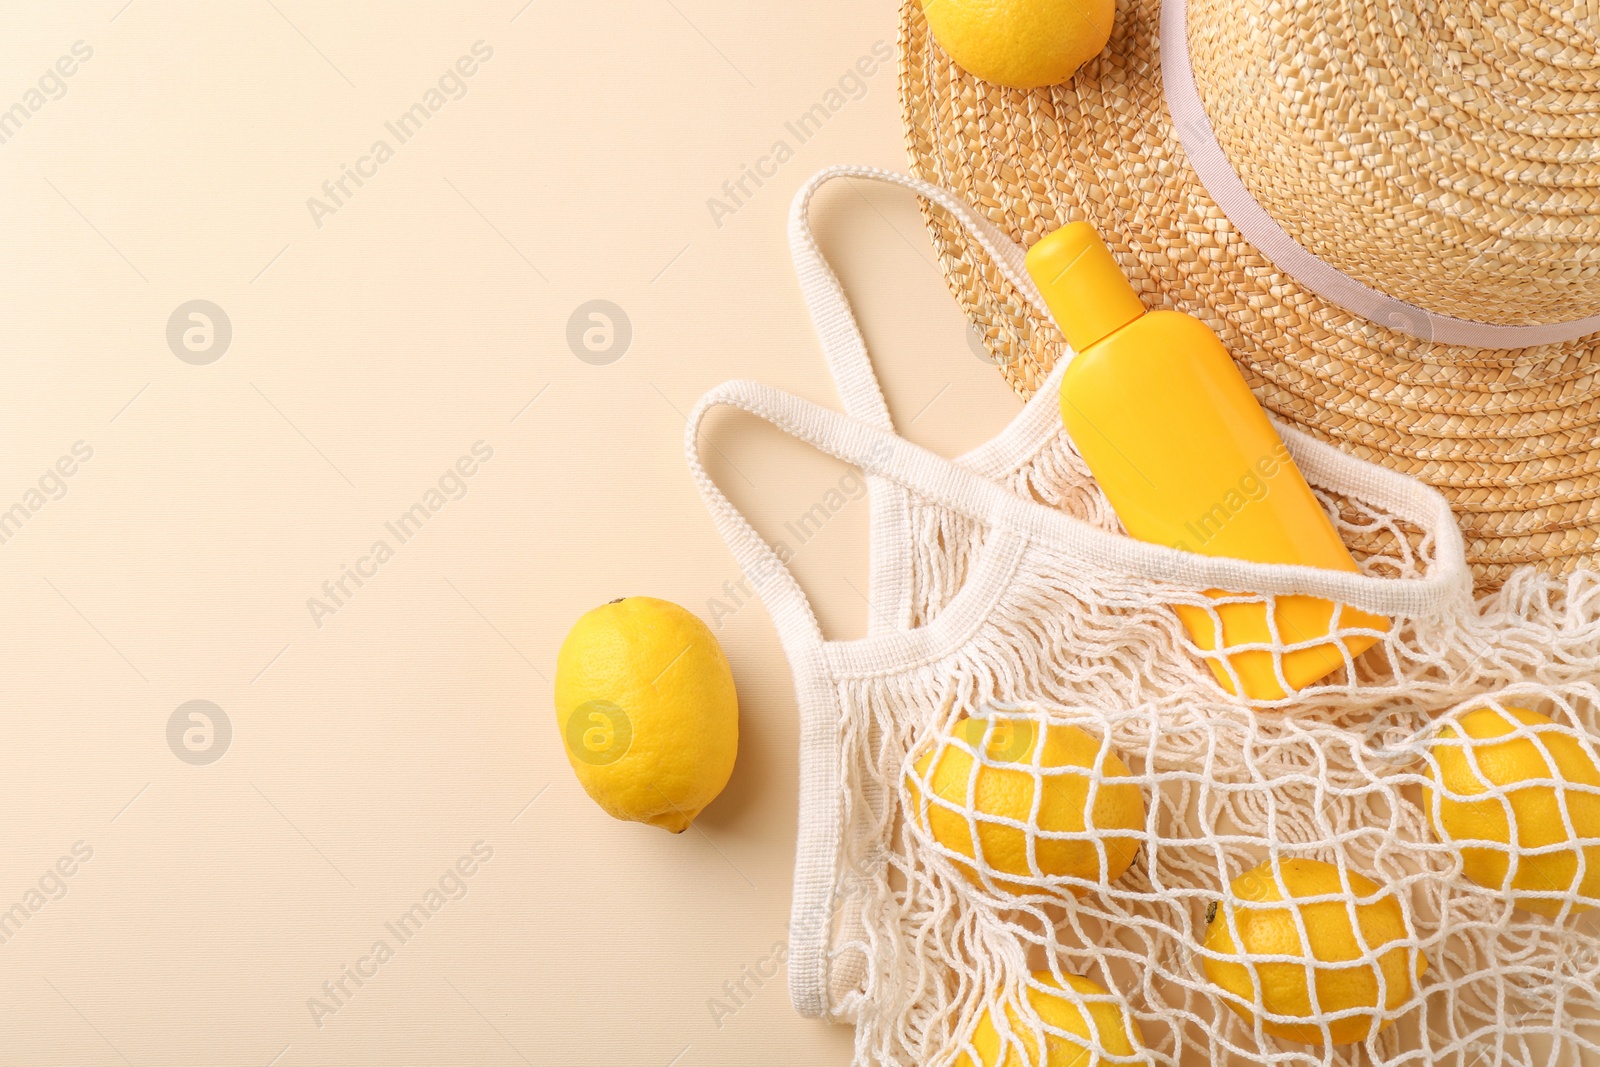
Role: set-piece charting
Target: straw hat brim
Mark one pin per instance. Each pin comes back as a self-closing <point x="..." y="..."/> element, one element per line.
<point x="1512" y="437"/>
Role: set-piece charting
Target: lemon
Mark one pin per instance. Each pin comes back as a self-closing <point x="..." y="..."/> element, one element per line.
<point x="1021" y="44"/>
<point x="1536" y="808"/>
<point x="646" y="706"/>
<point x="1114" y="1032"/>
<point x="1003" y="788"/>
<point x="1284" y="986"/>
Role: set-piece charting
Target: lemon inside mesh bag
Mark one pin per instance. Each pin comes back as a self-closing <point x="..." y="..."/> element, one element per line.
<point x="1022" y="806"/>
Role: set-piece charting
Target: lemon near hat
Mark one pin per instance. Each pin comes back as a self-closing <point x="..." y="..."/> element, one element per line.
<point x="1023" y="44"/>
<point x="1389" y="213"/>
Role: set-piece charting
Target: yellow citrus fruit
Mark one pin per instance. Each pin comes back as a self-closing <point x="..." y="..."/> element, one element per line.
<point x="1003" y="787"/>
<point x="1113" y="1030"/>
<point x="1284" y="987"/>
<point x="1536" y="808"/>
<point x="1021" y="44"/>
<point x="647" y="711"/>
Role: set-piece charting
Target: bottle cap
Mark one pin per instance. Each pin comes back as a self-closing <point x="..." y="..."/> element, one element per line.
<point x="1087" y="292"/>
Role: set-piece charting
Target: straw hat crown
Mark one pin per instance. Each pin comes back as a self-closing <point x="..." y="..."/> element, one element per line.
<point x="1446" y="154"/>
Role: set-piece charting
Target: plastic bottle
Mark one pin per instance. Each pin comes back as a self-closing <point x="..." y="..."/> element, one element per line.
<point x="1188" y="459"/>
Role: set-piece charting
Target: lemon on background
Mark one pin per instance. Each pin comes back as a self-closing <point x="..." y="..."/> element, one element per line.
<point x="646" y="707"/>
<point x="1536" y="808"/>
<point x="1007" y="791"/>
<point x="1285" y="989"/>
<point x="1114" y="1031"/>
<point x="1021" y="44"/>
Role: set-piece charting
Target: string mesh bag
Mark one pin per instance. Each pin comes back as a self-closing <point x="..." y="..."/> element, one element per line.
<point x="1004" y="593"/>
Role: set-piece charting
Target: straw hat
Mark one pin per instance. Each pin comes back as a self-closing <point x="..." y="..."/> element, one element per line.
<point x="1389" y="211"/>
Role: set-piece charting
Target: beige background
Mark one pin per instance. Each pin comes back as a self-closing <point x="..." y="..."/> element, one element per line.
<point x="429" y="312"/>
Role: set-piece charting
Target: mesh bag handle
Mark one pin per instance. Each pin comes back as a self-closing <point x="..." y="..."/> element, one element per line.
<point x="939" y="480"/>
<point x="1325" y="465"/>
<point x="836" y="326"/>
<point x="845" y="350"/>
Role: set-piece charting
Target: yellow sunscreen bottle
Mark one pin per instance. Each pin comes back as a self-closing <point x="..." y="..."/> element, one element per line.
<point x="1187" y="458"/>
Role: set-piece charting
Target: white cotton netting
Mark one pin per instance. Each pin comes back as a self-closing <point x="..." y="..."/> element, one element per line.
<point x="936" y="934"/>
<point x="1280" y="750"/>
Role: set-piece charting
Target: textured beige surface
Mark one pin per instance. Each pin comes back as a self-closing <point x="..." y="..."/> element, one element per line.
<point x="371" y="753"/>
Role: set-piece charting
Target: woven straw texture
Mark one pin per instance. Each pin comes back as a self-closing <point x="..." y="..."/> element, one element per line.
<point x="1397" y="184"/>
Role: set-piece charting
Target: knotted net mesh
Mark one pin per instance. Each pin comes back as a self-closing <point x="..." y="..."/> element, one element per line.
<point x="1287" y="881"/>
